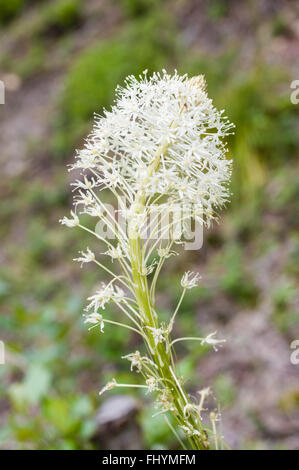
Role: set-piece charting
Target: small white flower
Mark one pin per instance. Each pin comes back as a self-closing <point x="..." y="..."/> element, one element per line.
<point x="109" y="386"/>
<point x="85" y="184"/>
<point x="73" y="222"/>
<point x="190" y="430"/>
<point x="213" y="341"/>
<point x="146" y="270"/>
<point x="101" y="298"/>
<point x="95" y="319"/>
<point x="84" y="199"/>
<point x="204" y="393"/>
<point x="111" y="178"/>
<point x="93" y="211"/>
<point x="86" y="257"/>
<point x="115" y="252"/>
<point x="158" y="334"/>
<point x="189" y="409"/>
<point x="190" y="280"/>
<point x="135" y="359"/>
<point x="164" y="401"/>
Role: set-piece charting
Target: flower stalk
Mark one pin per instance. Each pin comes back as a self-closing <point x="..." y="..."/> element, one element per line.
<point x="159" y="150"/>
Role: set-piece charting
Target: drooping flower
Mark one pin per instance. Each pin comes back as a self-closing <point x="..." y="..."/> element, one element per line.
<point x="95" y="319"/>
<point x="109" y="386"/>
<point x="135" y="359"/>
<point x="73" y="222"/>
<point x="213" y="341"/>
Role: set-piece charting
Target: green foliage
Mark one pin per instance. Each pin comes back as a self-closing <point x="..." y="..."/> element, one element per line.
<point x="60" y="16"/>
<point x="136" y="8"/>
<point x="235" y="281"/>
<point x="9" y="9"/>
<point x="33" y="388"/>
<point x="284" y="293"/>
<point x="289" y="402"/>
<point x="32" y="62"/>
<point x="225" y="390"/>
<point x="217" y="9"/>
<point x="284" y="314"/>
<point x="157" y="434"/>
<point x="254" y="104"/>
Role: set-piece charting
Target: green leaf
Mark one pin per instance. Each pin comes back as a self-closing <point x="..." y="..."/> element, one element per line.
<point x="36" y="384"/>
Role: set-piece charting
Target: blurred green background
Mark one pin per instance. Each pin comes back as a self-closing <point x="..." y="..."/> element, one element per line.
<point x="60" y="61"/>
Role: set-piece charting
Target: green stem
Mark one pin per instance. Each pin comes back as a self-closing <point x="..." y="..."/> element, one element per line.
<point x="160" y="356"/>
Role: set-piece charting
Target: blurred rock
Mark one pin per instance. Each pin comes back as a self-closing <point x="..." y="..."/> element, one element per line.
<point x="118" y="428"/>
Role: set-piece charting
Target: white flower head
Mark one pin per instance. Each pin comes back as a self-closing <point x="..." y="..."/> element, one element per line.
<point x="146" y="270"/>
<point x="190" y="280"/>
<point x="163" y="135"/>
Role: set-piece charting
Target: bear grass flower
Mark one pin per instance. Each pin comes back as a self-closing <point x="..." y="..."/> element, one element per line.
<point x="190" y="280"/>
<point x="160" y="150"/>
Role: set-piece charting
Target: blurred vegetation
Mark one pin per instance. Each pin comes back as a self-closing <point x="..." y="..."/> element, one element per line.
<point x="55" y="367"/>
<point x="9" y="10"/>
<point x="61" y="16"/>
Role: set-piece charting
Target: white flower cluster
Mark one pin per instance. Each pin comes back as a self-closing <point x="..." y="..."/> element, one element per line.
<point x="162" y="137"/>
